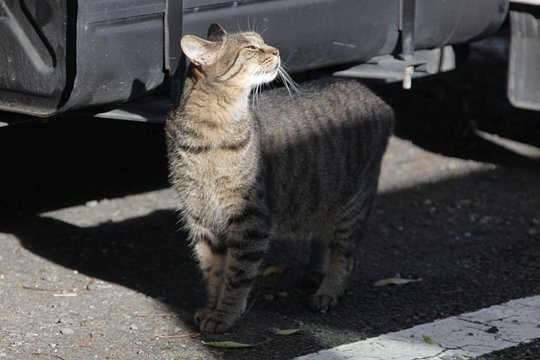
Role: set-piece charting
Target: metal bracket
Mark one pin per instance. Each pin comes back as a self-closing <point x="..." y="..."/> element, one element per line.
<point x="420" y="63"/>
<point x="407" y="17"/>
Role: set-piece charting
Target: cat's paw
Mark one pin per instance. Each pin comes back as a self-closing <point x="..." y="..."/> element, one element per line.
<point x="200" y="315"/>
<point x="322" y="302"/>
<point x="210" y="323"/>
<point x="313" y="279"/>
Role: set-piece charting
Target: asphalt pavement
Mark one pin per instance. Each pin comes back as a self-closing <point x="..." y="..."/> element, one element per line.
<point x="93" y="264"/>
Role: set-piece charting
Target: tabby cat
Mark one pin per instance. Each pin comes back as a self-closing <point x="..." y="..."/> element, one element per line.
<point x="301" y="165"/>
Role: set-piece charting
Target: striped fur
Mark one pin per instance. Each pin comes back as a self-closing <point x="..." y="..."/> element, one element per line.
<point x="304" y="165"/>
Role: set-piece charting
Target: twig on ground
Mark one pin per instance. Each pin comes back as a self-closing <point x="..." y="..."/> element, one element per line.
<point x="162" y="315"/>
<point x="180" y="335"/>
<point x="47" y="354"/>
<point x="252" y="303"/>
<point x="58" y="291"/>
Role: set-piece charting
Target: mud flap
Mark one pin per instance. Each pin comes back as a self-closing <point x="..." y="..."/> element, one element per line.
<point x="524" y="62"/>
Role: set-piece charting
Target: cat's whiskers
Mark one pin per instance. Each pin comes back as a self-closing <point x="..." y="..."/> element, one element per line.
<point x="259" y="85"/>
<point x="285" y="78"/>
<point x="255" y="96"/>
<point x="256" y="89"/>
<point x="287" y="81"/>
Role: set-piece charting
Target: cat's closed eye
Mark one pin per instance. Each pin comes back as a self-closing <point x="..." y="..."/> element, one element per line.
<point x="252" y="47"/>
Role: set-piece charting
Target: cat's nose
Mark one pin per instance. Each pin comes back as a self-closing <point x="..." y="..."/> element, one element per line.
<point x="275" y="52"/>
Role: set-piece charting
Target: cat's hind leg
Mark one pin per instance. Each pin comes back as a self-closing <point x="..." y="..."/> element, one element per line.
<point x="333" y="283"/>
<point x="318" y="263"/>
<point x="349" y="226"/>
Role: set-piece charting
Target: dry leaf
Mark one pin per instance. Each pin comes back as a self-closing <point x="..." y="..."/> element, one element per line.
<point x="275" y="269"/>
<point x="229" y="344"/>
<point x="179" y="335"/>
<point x="395" y="281"/>
<point x="287" y="332"/>
<point x="429" y="340"/>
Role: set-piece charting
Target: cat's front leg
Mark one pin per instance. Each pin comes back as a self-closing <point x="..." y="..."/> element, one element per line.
<point x="211" y="262"/>
<point x="244" y="254"/>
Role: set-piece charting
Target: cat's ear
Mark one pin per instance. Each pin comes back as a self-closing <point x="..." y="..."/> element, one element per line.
<point x="216" y="32"/>
<point x="200" y="51"/>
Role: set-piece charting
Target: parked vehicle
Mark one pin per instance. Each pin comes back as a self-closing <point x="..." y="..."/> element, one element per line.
<point x="124" y="55"/>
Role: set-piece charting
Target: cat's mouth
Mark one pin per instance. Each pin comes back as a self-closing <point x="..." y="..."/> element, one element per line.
<point x="272" y="70"/>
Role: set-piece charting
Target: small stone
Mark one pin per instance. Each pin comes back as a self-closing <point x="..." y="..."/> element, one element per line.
<point x="66" y="331"/>
<point x="66" y="320"/>
<point x="53" y="345"/>
<point x="92" y="203"/>
<point x="282" y="294"/>
<point x="269" y="297"/>
<point x="493" y="330"/>
<point x="133" y="327"/>
<point x="49" y="278"/>
<point x="485" y="220"/>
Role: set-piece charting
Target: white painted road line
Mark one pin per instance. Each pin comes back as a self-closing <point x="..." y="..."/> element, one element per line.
<point x="454" y="338"/>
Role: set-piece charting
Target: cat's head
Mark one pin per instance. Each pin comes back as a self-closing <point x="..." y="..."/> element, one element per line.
<point x="240" y="59"/>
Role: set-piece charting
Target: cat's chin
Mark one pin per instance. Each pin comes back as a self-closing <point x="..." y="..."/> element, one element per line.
<point x="264" y="78"/>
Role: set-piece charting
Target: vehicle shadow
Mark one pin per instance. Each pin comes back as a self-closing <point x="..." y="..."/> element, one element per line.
<point x="449" y="128"/>
<point x="442" y="113"/>
<point x="147" y="254"/>
<point x="458" y="235"/>
<point x="57" y="163"/>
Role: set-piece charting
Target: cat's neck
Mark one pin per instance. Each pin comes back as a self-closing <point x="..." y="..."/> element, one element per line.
<point x="218" y="102"/>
